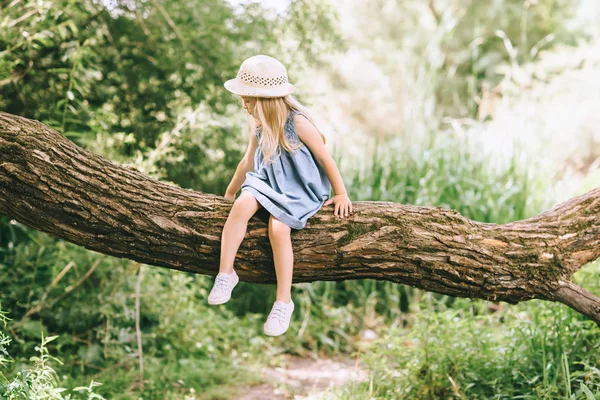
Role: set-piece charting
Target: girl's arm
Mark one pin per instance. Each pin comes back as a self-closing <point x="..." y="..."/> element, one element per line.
<point x="312" y="139"/>
<point x="245" y="165"/>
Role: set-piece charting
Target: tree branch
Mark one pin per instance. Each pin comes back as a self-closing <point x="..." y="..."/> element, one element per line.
<point x="579" y="299"/>
<point x="51" y="185"/>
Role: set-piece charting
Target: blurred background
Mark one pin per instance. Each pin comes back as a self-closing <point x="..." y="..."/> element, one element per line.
<point x="489" y="108"/>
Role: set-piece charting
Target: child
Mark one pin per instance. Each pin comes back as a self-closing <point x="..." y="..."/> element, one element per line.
<point x="287" y="171"/>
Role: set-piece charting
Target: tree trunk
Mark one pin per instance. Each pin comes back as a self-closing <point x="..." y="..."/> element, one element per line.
<point x="52" y="185"/>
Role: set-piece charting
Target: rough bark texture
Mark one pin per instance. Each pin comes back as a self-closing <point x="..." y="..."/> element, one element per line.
<point x="50" y="184"/>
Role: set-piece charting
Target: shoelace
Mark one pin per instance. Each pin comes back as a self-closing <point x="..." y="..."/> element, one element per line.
<point x="222" y="282"/>
<point x="279" y="312"/>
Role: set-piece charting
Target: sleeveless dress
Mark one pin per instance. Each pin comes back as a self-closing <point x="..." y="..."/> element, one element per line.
<point x="293" y="187"/>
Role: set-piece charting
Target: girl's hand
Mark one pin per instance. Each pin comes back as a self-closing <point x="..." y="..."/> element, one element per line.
<point x="230" y="196"/>
<point x="342" y="203"/>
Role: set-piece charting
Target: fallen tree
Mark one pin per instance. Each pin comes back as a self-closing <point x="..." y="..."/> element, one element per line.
<point x="54" y="186"/>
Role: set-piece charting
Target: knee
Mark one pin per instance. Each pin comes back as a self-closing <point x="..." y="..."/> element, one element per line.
<point x="278" y="230"/>
<point x="243" y="205"/>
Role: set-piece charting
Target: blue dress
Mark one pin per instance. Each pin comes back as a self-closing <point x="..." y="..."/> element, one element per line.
<point x="293" y="187"/>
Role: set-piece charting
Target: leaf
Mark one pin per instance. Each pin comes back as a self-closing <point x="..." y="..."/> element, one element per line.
<point x="589" y="395"/>
<point x="50" y="338"/>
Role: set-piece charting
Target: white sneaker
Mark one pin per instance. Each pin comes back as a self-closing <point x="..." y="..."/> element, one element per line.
<point x="279" y="318"/>
<point x="222" y="287"/>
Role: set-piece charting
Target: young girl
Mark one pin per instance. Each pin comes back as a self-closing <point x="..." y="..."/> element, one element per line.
<point x="286" y="170"/>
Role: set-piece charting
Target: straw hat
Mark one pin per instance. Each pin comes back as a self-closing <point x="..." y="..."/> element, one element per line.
<point x="260" y="76"/>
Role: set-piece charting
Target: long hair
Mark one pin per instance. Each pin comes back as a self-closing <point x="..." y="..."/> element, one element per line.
<point x="270" y="114"/>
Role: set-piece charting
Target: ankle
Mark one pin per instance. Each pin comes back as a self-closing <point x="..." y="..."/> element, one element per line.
<point x="286" y="299"/>
<point x="226" y="271"/>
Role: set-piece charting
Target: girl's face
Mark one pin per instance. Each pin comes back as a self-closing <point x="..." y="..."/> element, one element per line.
<point x="249" y="103"/>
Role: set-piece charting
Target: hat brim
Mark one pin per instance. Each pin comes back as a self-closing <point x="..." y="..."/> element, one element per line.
<point x="237" y="87"/>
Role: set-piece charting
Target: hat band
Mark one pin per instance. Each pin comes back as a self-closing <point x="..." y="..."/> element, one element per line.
<point x="259" y="81"/>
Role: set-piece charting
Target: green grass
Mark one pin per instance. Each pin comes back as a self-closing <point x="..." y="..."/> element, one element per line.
<point x="534" y="350"/>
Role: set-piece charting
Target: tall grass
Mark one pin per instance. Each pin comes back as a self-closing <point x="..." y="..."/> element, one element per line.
<point x="534" y="350"/>
<point x="452" y="171"/>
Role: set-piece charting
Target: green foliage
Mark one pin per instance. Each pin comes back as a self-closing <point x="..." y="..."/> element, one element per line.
<point x="39" y="381"/>
<point x="117" y="80"/>
<point x="423" y="61"/>
<point x="189" y="345"/>
<point x="533" y="350"/>
<point x="119" y="75"/>
<point x="482" y="41"/>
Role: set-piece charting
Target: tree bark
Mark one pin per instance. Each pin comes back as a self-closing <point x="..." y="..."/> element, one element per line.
<point x="54" y="186"/>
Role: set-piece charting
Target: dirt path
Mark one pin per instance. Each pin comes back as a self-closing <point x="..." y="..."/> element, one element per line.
<point x="301" y="377"/>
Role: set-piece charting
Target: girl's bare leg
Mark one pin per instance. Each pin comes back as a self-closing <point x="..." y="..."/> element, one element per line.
<point x="244" y="207"/>
<point x="283" y="256"/>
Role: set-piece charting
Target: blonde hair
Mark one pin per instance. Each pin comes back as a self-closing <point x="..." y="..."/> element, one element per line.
<point x="272" y="113"/>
